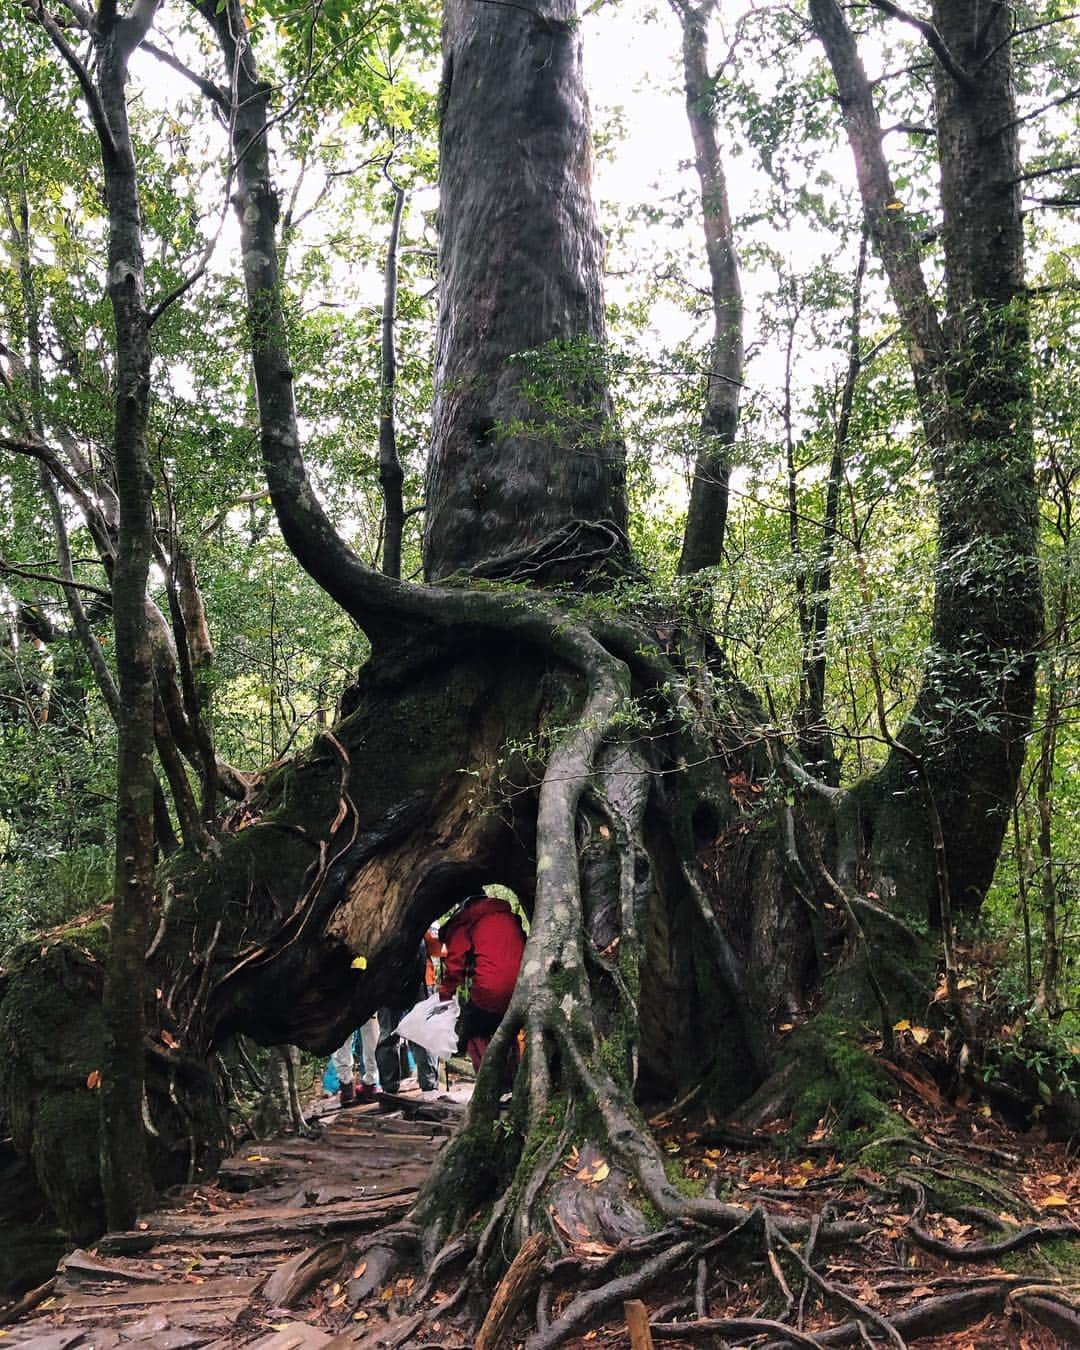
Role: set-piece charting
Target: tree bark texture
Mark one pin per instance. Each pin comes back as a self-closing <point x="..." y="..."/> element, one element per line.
<point x="512" y="490"/>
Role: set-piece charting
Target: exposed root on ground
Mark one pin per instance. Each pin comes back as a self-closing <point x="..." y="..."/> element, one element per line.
<point x="775" y="1257"/>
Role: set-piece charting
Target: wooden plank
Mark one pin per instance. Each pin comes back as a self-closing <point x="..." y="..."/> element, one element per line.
<point x="334" y="1146"/>
<point x="637" y="1323"/>
<point x="79" y="1266"/>
<point x="157" y="1331"/>
<point x="376" y="1164"/>
<point x="165" y="1249"/>
<point x="295" y="1336"/>
<point x="407" y="1129"/>
<point x="263" y="1221"/>
<point x="223" y="1290"/>
<point x="53" y="1340"/>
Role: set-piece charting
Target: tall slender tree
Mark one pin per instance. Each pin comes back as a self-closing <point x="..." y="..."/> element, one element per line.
<point x="116" y="37"/>
<point x="703" y="538"/>
<point x="960" y="753"/>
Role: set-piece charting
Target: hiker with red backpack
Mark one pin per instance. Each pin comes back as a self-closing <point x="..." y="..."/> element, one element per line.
<point x="484" y="941"/>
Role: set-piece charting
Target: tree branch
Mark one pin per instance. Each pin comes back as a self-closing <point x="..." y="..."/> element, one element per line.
<point x="1014" y="33"/>
<point x="1067" y="97"/>
<point x="214" y="92"/>
<point x="83" y="17"/>
<point x="934" y="40"/>
<point x="135" y="25"/>
<point x="39" y="450"/>
<point x="885" y="217"/>
<point x="11" y="570"/>
<point x="1047" y="171"/>
<point x="992" y="11"/>
<point x="102" y="674"/>
<point x="182" y="288"/>
<point x="90" y="93"/>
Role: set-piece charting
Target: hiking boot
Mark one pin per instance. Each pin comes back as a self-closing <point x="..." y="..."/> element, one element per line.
<point x="369" y="1092"/>
<point x="347" y="1095"/>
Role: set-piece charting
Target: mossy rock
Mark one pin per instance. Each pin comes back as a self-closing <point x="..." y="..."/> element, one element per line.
<point x="30" y="1245"/>
<point x="52" y="1031"/>
<point x="28" y="1256"/>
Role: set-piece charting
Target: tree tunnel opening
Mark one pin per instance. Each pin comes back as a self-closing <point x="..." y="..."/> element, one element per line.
<point x="389" y="976"/>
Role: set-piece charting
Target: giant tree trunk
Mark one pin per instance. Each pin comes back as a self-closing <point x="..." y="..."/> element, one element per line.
<point x="512" y="489"/>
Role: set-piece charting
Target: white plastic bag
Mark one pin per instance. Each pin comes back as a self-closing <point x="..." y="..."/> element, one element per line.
<point x="432" y="1024"/>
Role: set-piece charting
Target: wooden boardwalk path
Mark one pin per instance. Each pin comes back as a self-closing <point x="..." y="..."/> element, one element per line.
<point x="258" y="1256"/>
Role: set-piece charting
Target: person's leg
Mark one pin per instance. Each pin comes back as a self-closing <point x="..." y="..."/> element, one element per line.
<point x="427" y="1068"/>
<point x="475" y="1029"/>
<point x="476" y="1048"/>
<point x="342" y="1060"/>
<point x="388" y="1050"/>
<point x="369" y="1040"/>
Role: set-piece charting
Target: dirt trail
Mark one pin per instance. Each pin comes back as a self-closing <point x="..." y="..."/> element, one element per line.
<point x="225" y="1262"/>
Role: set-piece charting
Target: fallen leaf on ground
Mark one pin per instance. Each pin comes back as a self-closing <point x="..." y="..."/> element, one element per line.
<point x="594" y="1173"/>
